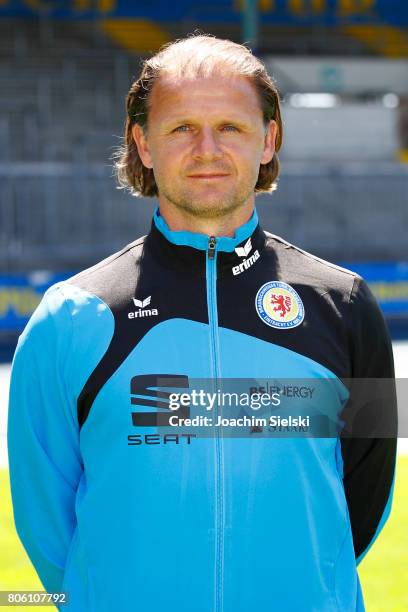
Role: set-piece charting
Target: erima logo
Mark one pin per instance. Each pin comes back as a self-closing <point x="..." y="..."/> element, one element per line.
<point x="142" y="303"/>
<point x="247" y="263"/>
<point x="245" y="250"/>
<point x="143" y="311"/>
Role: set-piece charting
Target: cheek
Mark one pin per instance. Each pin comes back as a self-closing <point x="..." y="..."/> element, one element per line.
<point x="249" y="163"/>
<point x="247" y="156"/>
<point x="167" y="159"/>
<point x="166" y="168"/>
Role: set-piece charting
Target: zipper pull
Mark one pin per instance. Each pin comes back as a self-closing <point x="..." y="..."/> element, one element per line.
<point x="211" y="246"/>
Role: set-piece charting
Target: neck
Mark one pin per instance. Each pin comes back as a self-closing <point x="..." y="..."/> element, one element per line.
<point x="181" y="220"/>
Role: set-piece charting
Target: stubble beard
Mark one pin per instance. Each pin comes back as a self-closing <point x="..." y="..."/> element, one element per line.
<point x="214" y="208"/>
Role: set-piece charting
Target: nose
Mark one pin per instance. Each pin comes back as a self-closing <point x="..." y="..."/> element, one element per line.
<point x="206" y="145"/>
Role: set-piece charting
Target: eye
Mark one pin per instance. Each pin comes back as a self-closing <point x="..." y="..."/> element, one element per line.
<point x="230" y="128"/>
<point x="182" y="128"/>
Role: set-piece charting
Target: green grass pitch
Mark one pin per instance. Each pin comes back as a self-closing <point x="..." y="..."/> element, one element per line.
<point x="383" y="572"/>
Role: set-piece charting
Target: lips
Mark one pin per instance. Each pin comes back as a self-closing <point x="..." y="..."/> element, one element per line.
<point x="206" y="176"/>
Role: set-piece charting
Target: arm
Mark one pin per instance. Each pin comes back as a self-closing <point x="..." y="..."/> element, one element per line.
<point x="43" y="440"/>
<point x="369" y="462"/>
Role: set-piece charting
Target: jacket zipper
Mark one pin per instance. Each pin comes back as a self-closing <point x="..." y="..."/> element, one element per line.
<point x="211" y="276"/>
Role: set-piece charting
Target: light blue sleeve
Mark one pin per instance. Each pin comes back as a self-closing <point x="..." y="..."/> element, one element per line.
<point x="43" y="439"/>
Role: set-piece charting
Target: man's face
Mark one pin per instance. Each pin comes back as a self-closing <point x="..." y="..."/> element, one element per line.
<point x="205" y="142"/>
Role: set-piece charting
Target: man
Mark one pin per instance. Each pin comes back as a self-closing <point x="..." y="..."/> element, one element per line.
<point x="122" y="516"/>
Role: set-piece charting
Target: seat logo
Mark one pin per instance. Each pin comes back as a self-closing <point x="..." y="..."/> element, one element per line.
<point x="147" y="391"/>
<point x="279" y="305"/>
<point x="143" y="311"/>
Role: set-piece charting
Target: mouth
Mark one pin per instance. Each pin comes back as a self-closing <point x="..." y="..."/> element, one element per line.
<point x="207" y="176"/>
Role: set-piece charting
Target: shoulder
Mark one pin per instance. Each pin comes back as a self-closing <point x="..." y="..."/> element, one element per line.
<point x="306" y="268"/>
<point x="348" y="292"/>
<point x="109" y="281"/>
<point x="110" y="266"/>
<point x="80" y="298"/>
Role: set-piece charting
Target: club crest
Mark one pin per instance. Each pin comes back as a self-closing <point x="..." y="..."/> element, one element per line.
<point x="279" y="305"/>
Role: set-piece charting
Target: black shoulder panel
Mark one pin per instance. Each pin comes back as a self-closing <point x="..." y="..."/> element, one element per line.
<point x="135" y="273"/>
<point x="323" y="288"/>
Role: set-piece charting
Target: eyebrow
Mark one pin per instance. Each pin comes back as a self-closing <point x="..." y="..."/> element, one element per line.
<point x="190" y="120"/>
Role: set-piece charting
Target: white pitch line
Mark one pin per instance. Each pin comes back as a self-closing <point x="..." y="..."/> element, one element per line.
<point x="4" y="391"/>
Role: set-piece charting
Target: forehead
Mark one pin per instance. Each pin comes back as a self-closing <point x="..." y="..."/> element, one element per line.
<point x="171" y="97"/>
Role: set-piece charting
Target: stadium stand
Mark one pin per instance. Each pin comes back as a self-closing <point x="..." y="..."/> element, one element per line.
<point x="63" y="84"/>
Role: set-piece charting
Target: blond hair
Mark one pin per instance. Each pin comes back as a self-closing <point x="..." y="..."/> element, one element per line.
<point x="195" y="56"/>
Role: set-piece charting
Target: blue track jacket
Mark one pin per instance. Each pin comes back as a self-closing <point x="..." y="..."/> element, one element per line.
<point x="126" y="518"/>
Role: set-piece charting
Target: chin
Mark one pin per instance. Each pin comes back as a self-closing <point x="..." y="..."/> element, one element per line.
<point x="211" y="209"/>
<point x="208" y="202"/>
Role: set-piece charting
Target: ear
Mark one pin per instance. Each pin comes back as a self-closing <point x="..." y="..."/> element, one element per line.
<point x="269" y="142"/>
<point x="142" y="145"/>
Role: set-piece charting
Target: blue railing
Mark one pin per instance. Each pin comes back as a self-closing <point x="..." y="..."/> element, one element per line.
<point x="288" y="12"/>
<point x="20" y="294"/>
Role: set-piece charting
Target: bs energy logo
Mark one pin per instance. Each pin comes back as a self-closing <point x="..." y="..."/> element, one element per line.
<point x="279" y="305"/>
